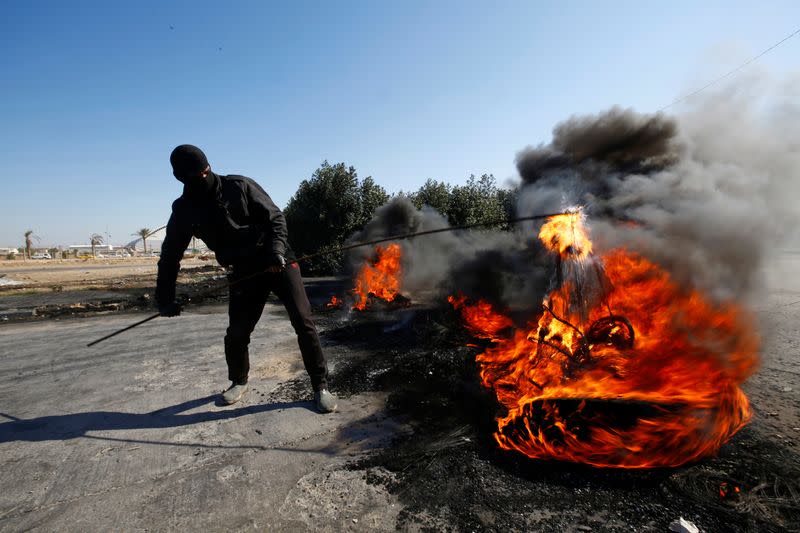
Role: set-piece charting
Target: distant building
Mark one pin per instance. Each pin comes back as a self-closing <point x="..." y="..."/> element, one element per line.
<point x="8" y="251"/>
<point x="156" y="239"/>
<point x="87" y="248"/>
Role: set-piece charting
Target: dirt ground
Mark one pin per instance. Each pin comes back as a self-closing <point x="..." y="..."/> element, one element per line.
<point x="31" y="290"/>
<point x="128" y="436"/>
<point x="81" y="273"/>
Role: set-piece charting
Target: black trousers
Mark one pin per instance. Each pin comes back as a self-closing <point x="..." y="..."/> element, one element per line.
<point x="247" y="299"/>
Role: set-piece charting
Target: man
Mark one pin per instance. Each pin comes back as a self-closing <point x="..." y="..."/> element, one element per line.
<point x="240" y="223"/>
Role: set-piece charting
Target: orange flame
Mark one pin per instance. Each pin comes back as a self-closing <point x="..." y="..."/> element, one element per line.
<point x="381" y="278"/>
<point x="334" y="303"/>
<point x="729" y="491"/>
<point x="647" y="376"/>
<point x="566" y="235"/>
<point x="480" y="318"/>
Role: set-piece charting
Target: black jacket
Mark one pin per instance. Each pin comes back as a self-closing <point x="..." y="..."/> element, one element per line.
<point x="237" y="220"/>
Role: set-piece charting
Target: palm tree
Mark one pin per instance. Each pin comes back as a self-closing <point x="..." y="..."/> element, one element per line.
<point x="29" y="238"/>
<point x="95" y="240"/>
<point x="144" y="233"/>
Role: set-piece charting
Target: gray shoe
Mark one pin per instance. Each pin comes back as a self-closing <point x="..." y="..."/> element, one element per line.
<point x="326" y="402"/>
<point x="234" y="393"/>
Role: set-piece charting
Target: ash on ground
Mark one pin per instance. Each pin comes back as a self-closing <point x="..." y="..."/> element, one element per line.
<point x="451" y="476"/>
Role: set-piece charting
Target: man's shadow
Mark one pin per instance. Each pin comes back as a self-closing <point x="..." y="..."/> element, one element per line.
<point x="72" y="426"/>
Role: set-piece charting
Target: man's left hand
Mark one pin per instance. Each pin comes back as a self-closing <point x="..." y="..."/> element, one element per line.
<point x="277" y="264"/>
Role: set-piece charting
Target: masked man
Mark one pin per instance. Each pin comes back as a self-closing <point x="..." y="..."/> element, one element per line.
<point x="240" y="223"/>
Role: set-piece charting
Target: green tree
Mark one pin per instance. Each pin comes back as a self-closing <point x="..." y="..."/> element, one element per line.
<point x="328" y="208"/>
<point x="436" y="194"/>
<point x="29" y="238"/>
<point x="144" y="233"/>
<point x="508" y="199"/>
<point x="372" y="197"/>
<point x="479" y="200"/>
<point x="95" y="240"/>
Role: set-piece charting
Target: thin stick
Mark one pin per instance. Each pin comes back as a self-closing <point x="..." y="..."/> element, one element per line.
<point x="229" y="284"/>
<point x="148" y="319"/>
<point x="427" y="232"/>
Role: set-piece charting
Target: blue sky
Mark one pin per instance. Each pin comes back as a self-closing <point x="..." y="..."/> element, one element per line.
<point x="95" y="95"/>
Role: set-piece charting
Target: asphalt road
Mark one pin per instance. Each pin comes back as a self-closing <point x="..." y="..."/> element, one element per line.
<point x="128" y="435"/>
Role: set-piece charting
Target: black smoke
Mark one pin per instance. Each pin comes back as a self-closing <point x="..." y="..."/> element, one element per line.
<point x="708" y="194"/>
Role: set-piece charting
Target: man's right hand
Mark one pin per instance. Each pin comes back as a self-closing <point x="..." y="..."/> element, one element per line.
<point x="277" y="263"/>
<point x="170" y="309"/>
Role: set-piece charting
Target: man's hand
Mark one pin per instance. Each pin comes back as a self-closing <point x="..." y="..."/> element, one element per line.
<point x="170" y="309"/>
<point x="277" y="263"/>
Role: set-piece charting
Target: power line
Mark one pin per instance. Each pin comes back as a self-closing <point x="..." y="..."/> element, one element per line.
<point x="732" y="72"/>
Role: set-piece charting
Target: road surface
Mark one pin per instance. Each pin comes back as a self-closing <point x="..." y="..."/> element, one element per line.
<point x="128" y="435"/>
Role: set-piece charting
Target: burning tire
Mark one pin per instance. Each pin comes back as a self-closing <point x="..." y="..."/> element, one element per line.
<point x="646" y="376"/>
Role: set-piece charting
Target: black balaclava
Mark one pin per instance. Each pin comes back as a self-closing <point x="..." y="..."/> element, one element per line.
<point x="188" y="163"/>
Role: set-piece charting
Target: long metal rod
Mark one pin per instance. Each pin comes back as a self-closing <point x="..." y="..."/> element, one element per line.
<point x="498" y="222"/>
<point x="228" y="284"/>
<point x="148" y="319"/>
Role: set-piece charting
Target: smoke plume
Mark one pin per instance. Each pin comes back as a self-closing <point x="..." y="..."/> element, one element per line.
<point x="708" y="194"/>
<point x="427" y="262"/>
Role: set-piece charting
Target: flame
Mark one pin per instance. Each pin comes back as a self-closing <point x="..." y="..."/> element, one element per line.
<point x="480" y="318"/>
<point x="380" y="278"/>
<point x="728" y="491"/>
<point x="566" y="235"/>
<point x="647" y="375"/>
<point x="334" y="303"/>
